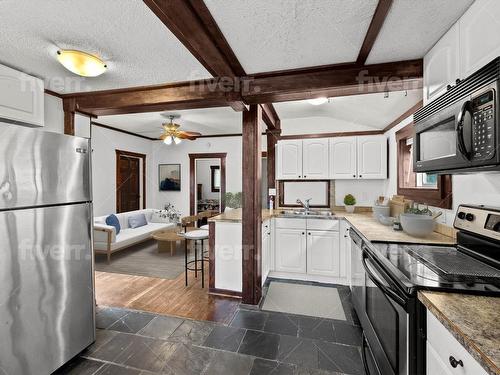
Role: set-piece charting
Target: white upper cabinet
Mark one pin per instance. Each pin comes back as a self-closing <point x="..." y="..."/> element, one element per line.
<point x="315" y="158"/>
<point x="372" y="157"/>
<point x="343" y="158"/>
<point x="441" y="65"/>
<point x="21" y="97"/>
<point x="479" y="35"/>
<point x="289" y="160"/>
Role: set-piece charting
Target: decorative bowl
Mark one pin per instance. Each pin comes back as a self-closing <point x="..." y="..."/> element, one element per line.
<point x="386" y="220"/>
<point x="417" y="225"/>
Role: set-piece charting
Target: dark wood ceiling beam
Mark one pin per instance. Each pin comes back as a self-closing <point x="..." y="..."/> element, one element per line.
<point x="270" y="116"/>
<point x="189" y="27"/>
<point x="374" y="29"/>
<point x="341" y="80"/>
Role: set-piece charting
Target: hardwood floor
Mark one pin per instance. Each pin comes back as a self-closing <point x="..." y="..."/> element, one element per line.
<point x="162" y="296"/>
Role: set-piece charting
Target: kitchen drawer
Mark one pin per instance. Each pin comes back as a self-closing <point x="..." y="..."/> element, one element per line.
<point x="445" y="345"/>
<point x="322" y="224"/>
<point x="290" y="223"/>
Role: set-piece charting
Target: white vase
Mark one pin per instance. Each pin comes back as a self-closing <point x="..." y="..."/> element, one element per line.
<point x="350" y="208"/>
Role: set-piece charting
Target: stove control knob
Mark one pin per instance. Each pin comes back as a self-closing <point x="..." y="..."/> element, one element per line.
<point x="461" y="215"/>
<point x="469" y="217"/>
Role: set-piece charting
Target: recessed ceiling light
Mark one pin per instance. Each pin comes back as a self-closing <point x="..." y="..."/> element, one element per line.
<point x="318" y="101"/>
<point x="82" y="63"/>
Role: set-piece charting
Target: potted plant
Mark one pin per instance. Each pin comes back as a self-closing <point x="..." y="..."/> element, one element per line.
<point x="350" y="203"/>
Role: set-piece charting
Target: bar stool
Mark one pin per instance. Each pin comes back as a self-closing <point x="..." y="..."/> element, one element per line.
<point x="195" y="236"/>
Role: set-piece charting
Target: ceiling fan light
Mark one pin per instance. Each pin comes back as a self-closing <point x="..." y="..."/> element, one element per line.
<point x="168" y="140"/>
<point x="177" y="140"/>
<point x="81" y="63"/>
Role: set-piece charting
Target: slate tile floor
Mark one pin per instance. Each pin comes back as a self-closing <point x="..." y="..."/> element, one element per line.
<point x="255" y="343"/>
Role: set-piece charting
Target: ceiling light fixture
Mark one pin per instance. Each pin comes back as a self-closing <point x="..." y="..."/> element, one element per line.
<point x="82" y="63"/>
<point x="177" y="140"/>
<point x="318" y="101"/>
<point x="168" y="141"/>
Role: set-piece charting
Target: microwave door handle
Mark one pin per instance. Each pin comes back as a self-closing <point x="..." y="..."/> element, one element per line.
<point x="466" y="107"/>
<point x="386" y="290"/>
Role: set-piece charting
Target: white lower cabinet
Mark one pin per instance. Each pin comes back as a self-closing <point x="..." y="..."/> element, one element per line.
<point x="443" y="349"/>
<point x="291" y="250"/>
<point x="323" y="255"/>
<point x="266" y="249"/>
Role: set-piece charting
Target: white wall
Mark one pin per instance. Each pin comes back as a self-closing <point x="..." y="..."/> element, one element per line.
<point x="365" y="191"/>
<point x="313" y="125"/>
<point x="104" y="144"/>
<point x="204" y="177"/>
<point x="473" y="189"/>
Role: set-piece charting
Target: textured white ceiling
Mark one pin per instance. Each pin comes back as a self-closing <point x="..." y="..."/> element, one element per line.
<point x="138" y="48"/>
<point x="284" y="34"/>
<point x="357" y="112"/>
<point x="208" y="121"/>
<point x="349" y="113"/>
<point x="412" y="27"/>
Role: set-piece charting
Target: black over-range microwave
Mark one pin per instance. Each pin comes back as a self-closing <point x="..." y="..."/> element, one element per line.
<point x="459" y="132"/>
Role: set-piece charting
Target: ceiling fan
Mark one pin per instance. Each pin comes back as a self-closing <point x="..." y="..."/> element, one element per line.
<point x="171" y="132"/>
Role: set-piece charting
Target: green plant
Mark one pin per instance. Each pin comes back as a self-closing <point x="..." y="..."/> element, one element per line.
<point x="233" y="200"/>
<point x="349" y="200"/>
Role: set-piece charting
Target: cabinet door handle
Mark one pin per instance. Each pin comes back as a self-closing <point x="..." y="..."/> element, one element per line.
<point x="360" y="176"/>
<point x="305" y="176"/>
<point x="454" y="363"/>
<point x="354" y="175"/>
<point x="303" y="233"/>
<point x="309" y="233"/>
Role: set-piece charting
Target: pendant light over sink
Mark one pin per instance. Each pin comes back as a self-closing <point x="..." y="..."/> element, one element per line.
<point x="81" y="63"/>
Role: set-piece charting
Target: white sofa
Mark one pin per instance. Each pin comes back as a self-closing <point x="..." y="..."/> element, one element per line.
<point x="107" y="241"/>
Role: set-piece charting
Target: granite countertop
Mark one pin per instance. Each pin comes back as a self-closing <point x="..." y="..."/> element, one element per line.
<point x="473" y="320"/>
<point x="370" y="228"/>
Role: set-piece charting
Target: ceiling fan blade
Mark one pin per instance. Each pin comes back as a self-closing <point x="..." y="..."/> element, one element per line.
<point x="191" y="134"/>
<point x="182" y="135"/>
<point x="163" y="136"/>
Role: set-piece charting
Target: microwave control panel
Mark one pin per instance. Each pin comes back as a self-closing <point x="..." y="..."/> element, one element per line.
<point x="483" y="126"/>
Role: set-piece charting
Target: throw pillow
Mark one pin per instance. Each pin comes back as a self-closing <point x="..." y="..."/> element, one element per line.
<point x="113" y="221"/>
<point x="159" y="217"/>
<point x="136" y="221"/>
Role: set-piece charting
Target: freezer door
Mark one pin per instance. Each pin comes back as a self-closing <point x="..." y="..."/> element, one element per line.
<point x="46" y="288"/>
<point x="42" y="168"/>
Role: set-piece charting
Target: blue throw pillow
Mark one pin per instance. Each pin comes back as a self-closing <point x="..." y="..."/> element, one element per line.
<point x="136" y="221"/>
<point x="113" y="221"/>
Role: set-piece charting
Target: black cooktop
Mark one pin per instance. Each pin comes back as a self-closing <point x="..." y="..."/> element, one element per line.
<point x="416" y="267"/>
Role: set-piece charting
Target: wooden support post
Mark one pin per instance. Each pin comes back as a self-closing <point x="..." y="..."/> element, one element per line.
<point x="69" y="106"/>
<point x="252" y="208"/>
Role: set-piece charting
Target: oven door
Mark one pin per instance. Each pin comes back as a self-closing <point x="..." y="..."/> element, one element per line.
<point x="386" y="330"/>
<point x="443" y="140"/>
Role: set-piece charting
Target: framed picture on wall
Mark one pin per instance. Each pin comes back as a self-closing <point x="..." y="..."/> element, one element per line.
<point x="169" y="177"/>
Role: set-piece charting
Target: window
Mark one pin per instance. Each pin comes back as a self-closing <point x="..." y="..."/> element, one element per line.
<point x="215" y="179"/>
<point x="431" y="189"/>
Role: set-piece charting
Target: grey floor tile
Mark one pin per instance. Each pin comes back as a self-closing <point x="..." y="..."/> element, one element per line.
<point x="250" y="319"/>
<point x="348" y="334"/>
<point x="110" y="369"/>
<point x="192" y="332"/>
<point x="133" y="322"/>
<point x="148" y="354"/>
<point x="260" y="344"/>
<point x="230" y="363"/>
<point x="310" y="371"/>
<point x="79" y="366"/>
<point x="188" y="360"/>
<point x="283" y="324"/>
<point x="225" y="338"/>
<point x="316" y="328"/>
<point x="113" y="350"/>
<point x="268" y="367"/>
<point x="340" y="358"/>
<point x="103" y="336"/>
<point x="106" y="316"/>
<point x="298" y="351"/>
<point x="161" y="327"/>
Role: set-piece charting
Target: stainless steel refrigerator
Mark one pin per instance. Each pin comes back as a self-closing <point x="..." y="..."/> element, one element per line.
<point x="46" y="263"/>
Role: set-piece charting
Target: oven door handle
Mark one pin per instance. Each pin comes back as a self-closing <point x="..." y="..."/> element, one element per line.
<point x="388" y="291"/>
<point x="466" y="107"/>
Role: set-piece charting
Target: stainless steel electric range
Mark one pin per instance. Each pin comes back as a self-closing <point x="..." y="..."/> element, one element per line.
<point x="385" y="279"/>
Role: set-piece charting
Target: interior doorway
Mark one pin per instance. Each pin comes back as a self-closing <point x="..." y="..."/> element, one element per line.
<point x="207" y="178"/>
<point x="130" y="181"/>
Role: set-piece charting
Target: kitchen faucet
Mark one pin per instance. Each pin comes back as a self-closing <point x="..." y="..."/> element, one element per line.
<point x="305" y="205"/>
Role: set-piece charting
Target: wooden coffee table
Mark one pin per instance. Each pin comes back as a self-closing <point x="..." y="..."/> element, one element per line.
<point x="167" y="239"/>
